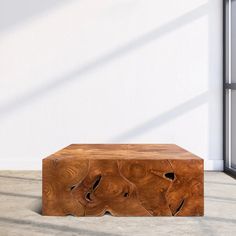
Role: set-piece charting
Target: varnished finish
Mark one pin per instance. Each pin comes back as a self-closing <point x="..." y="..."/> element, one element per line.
<point x="123" y="180"/>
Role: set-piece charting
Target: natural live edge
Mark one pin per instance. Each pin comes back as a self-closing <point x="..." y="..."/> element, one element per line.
<point x="132" y="184"/>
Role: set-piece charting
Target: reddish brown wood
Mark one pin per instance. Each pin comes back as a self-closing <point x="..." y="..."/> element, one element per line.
<point x="124" y="180"/>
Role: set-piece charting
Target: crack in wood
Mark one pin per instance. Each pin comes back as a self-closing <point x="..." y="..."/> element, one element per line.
<point x="96" y="183"/>
<point x="179" y="207"/>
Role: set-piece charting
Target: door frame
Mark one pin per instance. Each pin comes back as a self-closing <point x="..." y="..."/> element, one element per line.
<point x="227" y="88"/>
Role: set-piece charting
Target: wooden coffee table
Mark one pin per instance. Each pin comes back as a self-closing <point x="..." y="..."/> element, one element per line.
<point x="123" y="180"/>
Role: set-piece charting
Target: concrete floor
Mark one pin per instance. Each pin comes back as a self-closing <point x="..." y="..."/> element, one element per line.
<point x="20" y="203"/>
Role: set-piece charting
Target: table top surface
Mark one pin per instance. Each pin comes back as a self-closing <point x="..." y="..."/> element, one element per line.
<point x="125" y="151"/>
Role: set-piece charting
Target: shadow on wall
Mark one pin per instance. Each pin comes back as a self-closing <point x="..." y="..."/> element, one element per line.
<point x="39" y="7"/>
<point x="27" y="98"/>
<point x="190" y="104"/>
<point x="20" y="13"/>
<point x="163" y="118"/>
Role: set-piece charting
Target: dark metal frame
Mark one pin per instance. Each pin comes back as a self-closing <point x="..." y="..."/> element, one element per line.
<point x="226" y="87"/>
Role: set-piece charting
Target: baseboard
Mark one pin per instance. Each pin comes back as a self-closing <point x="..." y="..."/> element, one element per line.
<point x="216" y="165"/>
<point x="16" y="164"/>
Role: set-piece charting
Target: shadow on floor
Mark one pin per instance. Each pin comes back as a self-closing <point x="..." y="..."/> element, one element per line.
<point x="225" y="199"/>
<point x="220" y="219"/>
<point x="19" y="195"/>
<point x="214" y="182"/>
<point x="61" y="228"/>
<point x="20" y="178"/>
<point x="36" y="206"/>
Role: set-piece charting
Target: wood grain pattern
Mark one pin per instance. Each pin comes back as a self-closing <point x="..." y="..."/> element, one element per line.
<point x="123" y="180"/>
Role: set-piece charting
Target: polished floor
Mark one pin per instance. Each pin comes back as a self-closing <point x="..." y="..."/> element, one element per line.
<point x="20" y="206"/>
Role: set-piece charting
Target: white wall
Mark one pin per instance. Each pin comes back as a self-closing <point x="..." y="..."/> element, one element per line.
<point x="109" y="71"/>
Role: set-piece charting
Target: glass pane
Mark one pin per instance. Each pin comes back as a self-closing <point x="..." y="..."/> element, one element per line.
<point x="233" y="40"/>
<point x="227" y="126"/>
<point x="233" y="129"/>
<point x="226" y="37"/>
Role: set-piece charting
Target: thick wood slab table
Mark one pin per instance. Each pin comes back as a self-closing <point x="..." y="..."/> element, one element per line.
<point x="123" y="180"/>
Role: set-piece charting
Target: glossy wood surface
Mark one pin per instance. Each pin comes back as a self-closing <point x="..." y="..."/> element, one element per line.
<point x="123" y="180"/>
